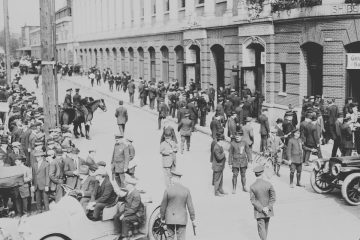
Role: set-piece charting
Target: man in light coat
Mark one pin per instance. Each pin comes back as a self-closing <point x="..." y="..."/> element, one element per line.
<point x="120" y="160"/>
<point x="168" y="150"/>
<point x="174" y="207"/>
<point x="121" y="117"/>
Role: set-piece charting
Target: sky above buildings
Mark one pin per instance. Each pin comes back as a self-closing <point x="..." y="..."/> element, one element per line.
<point x="23" y="12"/>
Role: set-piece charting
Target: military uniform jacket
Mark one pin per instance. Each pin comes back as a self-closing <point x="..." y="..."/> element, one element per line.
<point x="67" y="101"/>
<point x="294" y="150"/>
<point x="239" y="154"/>
<point x="168" y="151"/>
<point x="262" y="194"/>
<point x="176" y="203"/>
<point x="185" y="127"/>
<point x="120" y="159"/>
<point x="76" y="99"/>
<point x="218" y="158"/>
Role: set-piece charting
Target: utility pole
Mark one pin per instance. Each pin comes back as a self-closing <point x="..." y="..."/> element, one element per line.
<point x="47" y="12"/>
<point x="7" y="41"/>
<point x="55" y="68"/>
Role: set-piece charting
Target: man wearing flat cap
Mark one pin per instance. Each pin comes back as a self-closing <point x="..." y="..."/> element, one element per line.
<point x="185" y="128"/>
<point x="71" y="168"/>
<point x="122" y="118"/>
<point x="264" y="129"/>
<point x="68" y="100"/>
<point x="218" y="159"/>
<point x="102" y="196"/>
<point x="163" y="110"/>
<point x="174" y="208"/>
<point x="262" y="197"/>
<point x="56" y="175"/>
<point x="133" y="212"/>
<point x="86" y="186"/>
<point x="120" y="160"/>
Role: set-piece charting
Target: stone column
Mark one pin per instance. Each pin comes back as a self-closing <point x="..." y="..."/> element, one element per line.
<point x="229" y="8"/>
<point x="209" y="10"/>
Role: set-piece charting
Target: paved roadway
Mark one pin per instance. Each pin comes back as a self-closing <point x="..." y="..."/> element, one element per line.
<point x="299" y="213"/>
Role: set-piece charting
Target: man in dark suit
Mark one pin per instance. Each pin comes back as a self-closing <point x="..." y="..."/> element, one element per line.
<point x="71" y="167"/>
<point x="121" y="115"/>
<point x="228" y="108"/>
<point x="312" y="139"/>
<point x="103" y="194"/>
<point x="141" y="89"/>
<point x="333" y="115"/>
<point x="163" y="111"/>
<point x="262" y="197"/>
<point x="185" y="128"/>
<point x="337" y="140"/>
<point x="56" y="175"/>
<point x="218" y="160"/>
<point x="120" y="160"/>
<point x="181" y="112"/>
<point x="193" y="113"/>
<point x="68" y="100"/>
<point x="264" y="129"/>
<point x="168" y="130"/>
<point x="211" y="93"/>
<point x="346" y="137"/>
<point x="41" y="181"/>
<point x="216" y="126"/>
<point x="133" y="211"/>
<point x="174" y="207"/>
<point x="232" y="125"/>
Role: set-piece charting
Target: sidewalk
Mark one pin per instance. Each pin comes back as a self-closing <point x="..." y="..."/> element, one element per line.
<point x="84" y="82"/>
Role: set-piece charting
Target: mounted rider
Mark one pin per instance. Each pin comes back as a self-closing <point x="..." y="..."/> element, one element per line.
<point x="68" y="100"/>
<point x="78" y="104"/>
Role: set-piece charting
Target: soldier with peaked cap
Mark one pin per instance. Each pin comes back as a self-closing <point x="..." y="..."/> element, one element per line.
<point x="239" y="156"/>
<point x="174" y="208"/>
<point x="120" y="160"/>
<point x="218" y="160"/>
<point x="262" y="197"/>
<point x="68" y="100"/>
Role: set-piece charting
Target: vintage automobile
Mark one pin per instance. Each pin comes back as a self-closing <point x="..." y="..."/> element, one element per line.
<point x="338" y="172"/>
<point x="66" y="220"/>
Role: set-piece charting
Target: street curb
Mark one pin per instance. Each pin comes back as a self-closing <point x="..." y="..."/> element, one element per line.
<point x="133" y="105"/>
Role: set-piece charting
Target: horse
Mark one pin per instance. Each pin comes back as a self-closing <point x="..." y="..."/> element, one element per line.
<point x="76" y="117"/>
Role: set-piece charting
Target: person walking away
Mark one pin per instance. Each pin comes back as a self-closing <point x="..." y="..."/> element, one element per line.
<point x="121" y="115"/>
<point x="337" y="140"/>
<point x="185" y="128"/>
<point x="92" y="78"/>
<point x="168" y="150"/>
<point x="218" y="160"/>
<point x="248" y="132"/>
<point x="163" y="112"/>
<point x="275" y="145"/>
<point x="295" y="156"/>
<point x="264" y="129"/>
<point x="211" y="94"/>
<point x="262" y="197"/>
<point x="152" y="95"/>
<point x="239" y="156"/>
<point x="36" y="79"/>
<point x="232" y="125"/>
<point x="131" y="90"/>
<point x="176" y="203"/>
<point x="120" y="160"/>
<point x="141" y="89"/>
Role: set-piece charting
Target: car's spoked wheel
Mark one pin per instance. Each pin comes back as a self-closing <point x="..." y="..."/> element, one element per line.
<point x="318" y="183"/>
<point x="351" y="189"/>
<point x="159" y="230"/>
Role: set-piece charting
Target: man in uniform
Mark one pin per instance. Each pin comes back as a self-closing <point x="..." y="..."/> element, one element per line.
<point x="174" y="207"/>
<point x="68" y="100"/>
<point x="262" y="197"/>
<point x="78" y="105"/>
<point x="120" y="160"/>
<point x="131" y="87"/>
<point x="218" y="160"/>
<point x="239" y="156"/>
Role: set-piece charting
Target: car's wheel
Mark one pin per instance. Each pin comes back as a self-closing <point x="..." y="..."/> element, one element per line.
<point x="157" y="230"/>
<point x="318" y="183"/>
<point x="55" y="237"/>
<point x="350" y="189"/>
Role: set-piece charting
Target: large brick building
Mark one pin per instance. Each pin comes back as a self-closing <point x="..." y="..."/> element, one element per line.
<point x="284" y="54"/>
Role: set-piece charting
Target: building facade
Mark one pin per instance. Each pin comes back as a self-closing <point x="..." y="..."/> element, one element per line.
<point x="35" y="43"/>
<point x="24" y="48"/>
<point x="279" y="50"/>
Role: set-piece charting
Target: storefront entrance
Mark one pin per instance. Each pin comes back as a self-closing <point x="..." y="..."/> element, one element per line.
<point x="219" y="59"/>
<point x="193" y="67"/>
<point x="313" y="54"/>
<point x="353" y="71"/>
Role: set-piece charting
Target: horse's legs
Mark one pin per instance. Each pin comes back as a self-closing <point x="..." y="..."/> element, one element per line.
<point x="76" y="133"/>
<point x="87" y="131"/>
<point x="81" y="132"/>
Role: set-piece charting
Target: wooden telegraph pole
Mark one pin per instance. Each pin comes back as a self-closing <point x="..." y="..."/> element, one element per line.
<point x="7" y="41"/>
<point x="47" y="13"/>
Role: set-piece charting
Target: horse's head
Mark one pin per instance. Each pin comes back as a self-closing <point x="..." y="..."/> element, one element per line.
<point x="102" y="105"/>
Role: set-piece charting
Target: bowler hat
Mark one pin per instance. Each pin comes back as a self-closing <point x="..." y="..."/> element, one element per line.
<point x="119" y="135"/>
<point x="176" y="173"/>
<point x="279" y="120"/>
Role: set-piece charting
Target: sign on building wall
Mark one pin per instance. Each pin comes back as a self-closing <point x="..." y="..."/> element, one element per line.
<point x="353" y="61"/>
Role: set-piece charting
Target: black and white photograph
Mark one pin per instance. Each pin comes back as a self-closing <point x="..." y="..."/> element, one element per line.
<point x="179" y="119"/>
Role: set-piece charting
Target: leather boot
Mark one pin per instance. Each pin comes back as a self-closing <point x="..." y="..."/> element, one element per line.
<point x="298" y="178"/>
<point x="234" y="180"/>
<point x="278" y="170"/>
<point x="243" y="182"/>
<point x="292" y="180"/>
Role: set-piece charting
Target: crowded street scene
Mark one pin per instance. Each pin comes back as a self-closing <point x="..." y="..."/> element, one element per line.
<point x="193" y="119"/>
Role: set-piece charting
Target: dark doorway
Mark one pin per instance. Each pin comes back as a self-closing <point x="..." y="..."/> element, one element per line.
<point x="195" y="65"/>
<point x="253" y="75"/>
<point x="96" y="57"/>
<point x="115" y="61"/>
<point x="165" y="64"/>
<point x="122" y="54"/>
<point x="352" y="75"/>
<point x="141" y="62"/>
<point x="180" y="73"/>
<point x="152" y="64"/>
<point x="131" y="60"/>
<point x="219" y="59"/>
<point x="313" y="54"/>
